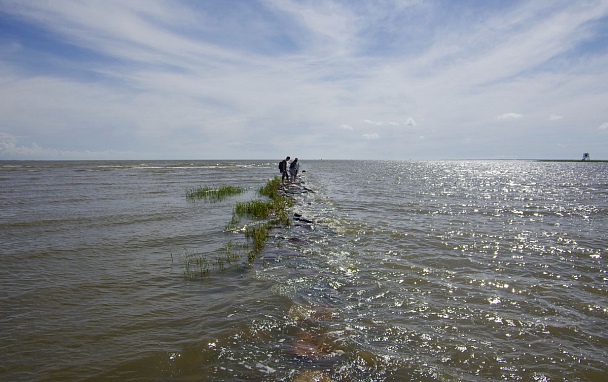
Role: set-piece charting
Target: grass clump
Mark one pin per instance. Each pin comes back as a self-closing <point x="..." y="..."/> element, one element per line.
<point x="199" y="266"/>
<point x="258" y="209"/>
<point x="209" y="194"/>
<point x="271" y="189"/>
<point x="262" y="209"/>
<point x="267" y="214"/>
<point x="258" y="234"/>
<point x="280" y="208"/>
<point x="195" y="265"/>
<point x="274" y="210"/>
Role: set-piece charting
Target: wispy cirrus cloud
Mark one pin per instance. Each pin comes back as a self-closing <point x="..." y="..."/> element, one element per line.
<point x="408" y="122"/>
<point x="181" y="79"/>
<point x="509" y="116"/>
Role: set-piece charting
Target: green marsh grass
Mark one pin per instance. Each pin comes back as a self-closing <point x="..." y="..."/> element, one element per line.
<point x="258" y="234"/>
<point x="199" y="266"/>
<point x="195" y="265"/>
<point x="275" y="209"/>
<point x="266" y="215"/>
<point x="258" y="209"/>
<point x="271" y="188"/>
<point x="209" y="194"/>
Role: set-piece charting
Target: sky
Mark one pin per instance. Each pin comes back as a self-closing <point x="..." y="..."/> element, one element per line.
<point x="319" y="79"/>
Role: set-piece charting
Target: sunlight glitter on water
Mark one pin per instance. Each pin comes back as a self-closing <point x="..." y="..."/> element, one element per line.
<point x="407" y="271"/>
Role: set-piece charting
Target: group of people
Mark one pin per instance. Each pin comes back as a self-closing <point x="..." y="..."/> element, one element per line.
<point x="289" y="170"/>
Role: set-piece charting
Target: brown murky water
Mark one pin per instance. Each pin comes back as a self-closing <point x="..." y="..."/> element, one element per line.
<point x="422" y="271"/>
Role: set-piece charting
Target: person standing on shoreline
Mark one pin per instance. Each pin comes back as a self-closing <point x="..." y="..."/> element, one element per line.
<point x="293" y="169"/>
<point x="283" y="170"/>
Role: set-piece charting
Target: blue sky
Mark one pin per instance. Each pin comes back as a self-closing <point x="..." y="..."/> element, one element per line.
<point x="113" y="79"/>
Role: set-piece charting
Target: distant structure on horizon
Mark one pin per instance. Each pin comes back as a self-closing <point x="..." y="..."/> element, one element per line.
<point x="586" y="157"/>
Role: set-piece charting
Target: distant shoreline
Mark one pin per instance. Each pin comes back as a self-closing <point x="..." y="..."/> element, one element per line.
<point x="572" y="160"/>
<point x="308" y="160"/>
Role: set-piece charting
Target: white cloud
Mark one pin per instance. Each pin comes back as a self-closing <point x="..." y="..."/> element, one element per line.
<point x="7" y="142"/>
<point x="509" y="116"/>
<point x="409" y="122"/>
<point x="10" y="149"/>
<point x="178" y="79"/>
<point x="604" y="126"/>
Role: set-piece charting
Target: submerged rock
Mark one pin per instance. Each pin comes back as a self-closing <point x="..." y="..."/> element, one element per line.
<point x="291" y="189"/>
<point x="314" y="345"/>
<point x="299" y="218"/>
<point x="312" y="376"/>
<point x="314" y="342"/>
<point x="312" y="314"/>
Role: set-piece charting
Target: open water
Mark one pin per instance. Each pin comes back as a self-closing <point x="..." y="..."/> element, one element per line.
<point x="397" y="271"/>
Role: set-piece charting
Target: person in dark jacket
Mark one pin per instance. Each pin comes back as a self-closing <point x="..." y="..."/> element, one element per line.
<point x="283" y="169"/>
<point x="293" y="169"/>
